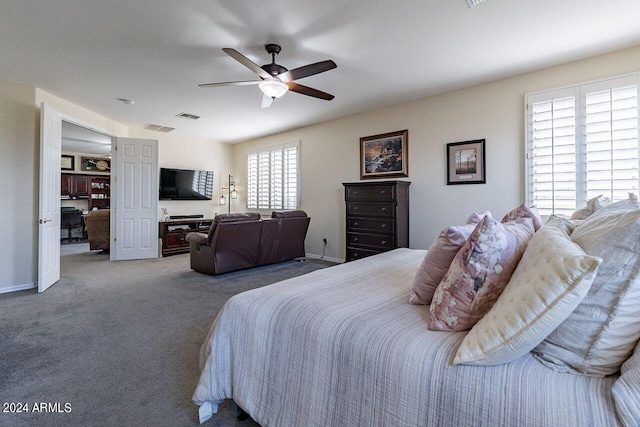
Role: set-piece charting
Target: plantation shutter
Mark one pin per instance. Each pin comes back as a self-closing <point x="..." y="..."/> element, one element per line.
<point x="582" y="142"/>
<point x="272" y="177"/>
<point x="553" y="154"/>
<point x="611" y="142"/>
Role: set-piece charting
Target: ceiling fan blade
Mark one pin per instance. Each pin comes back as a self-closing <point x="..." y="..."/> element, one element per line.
<point x="242" y="83"/>
<point x="307" y="70"/>
<point x="309" y="91"/>
<point x="247" y="62"/>
<point x="266" y="101"/>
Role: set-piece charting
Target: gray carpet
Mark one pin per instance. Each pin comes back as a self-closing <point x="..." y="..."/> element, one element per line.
<point x="117" y="343"/>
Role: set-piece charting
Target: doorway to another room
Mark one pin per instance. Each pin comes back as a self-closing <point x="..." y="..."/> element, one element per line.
<point x="85" y="190"/>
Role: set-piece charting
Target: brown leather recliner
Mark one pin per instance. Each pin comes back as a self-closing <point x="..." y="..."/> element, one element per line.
<point x="98" y="229"/>
<point x="239" y="241"/>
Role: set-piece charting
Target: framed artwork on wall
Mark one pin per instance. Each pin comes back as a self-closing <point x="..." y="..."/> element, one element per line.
<point x="466" y="162"/>
<point x="67" y="163"/>
<point x="385" y="155"/>
<point x="99" y="164"/>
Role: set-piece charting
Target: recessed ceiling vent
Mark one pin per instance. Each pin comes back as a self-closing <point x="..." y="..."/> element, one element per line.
<point x="188" y="116"/>
<point x="157" y="128"/>
<point x="473" y="3"/>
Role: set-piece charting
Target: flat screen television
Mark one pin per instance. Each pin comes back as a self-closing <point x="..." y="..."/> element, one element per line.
<point x="185" y="184"/>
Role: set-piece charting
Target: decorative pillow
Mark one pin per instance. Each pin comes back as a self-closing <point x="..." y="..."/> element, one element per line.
<point x="478" y="274"/>
<point x="608" y="318"/>
<point x="593" y="205"/>
<point x="438" y="258"/>
<point x="524" y="211"/>
<point x="626" y="390"/>
<point x="549" y="282"/>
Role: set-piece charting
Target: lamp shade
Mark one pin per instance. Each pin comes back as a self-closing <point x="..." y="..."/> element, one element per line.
<point x="273" y="88"/>
<point x="223" y="200"/>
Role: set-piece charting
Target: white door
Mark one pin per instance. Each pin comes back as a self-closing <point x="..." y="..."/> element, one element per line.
<point x="135" y="217"/>
<point x="49" y="202"/>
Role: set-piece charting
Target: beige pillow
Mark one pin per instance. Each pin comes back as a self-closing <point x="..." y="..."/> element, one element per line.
<point x="593" y="205"/>
<point x="608" y="318"/>
<point x="551" y="279"/>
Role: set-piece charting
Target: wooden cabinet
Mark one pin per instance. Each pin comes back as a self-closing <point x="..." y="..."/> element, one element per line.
<point x="100" y="193"/>
<point x="74" y="186"/>
<point x="377" y="217"/>
<point x="173" y="234"/>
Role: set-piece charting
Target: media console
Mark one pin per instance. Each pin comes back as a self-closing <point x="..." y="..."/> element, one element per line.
<point x="173" y="233"/>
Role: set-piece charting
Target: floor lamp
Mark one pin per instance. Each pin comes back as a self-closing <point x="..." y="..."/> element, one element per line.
<point x="233" y="194"/>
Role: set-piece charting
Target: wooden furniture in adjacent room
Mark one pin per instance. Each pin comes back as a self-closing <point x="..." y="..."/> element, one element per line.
<point x="100" y="192"/>
<point x="173" y="233"/>
<point x="377" y="217"/>
<point x="73" y="186"/>
<point x="94" y="188"/>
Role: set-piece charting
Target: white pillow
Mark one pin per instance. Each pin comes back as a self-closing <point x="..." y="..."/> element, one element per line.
<point x="608" y="318"/>
<point x="626" y="390"/>
<point x="551" y="279"/>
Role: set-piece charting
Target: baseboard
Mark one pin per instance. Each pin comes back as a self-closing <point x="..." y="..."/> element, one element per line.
<point x="326" y="258"/>
<point x="17" y="288"/>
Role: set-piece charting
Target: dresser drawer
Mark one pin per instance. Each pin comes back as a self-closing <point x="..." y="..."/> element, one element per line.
<point x="373" y="192"/>
<point x="372" y="240"/>
<point x="383" y="209"/>
<point x="384" y="226"/>
<point x="357" y="253"/>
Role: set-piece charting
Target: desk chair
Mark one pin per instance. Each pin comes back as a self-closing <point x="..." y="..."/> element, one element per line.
<point x="70" y="220"/>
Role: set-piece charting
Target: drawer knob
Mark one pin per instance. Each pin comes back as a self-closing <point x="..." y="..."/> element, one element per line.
<point x="355" y="208"/>
<point x="383" y="226"/>
<point x="384" y="242"/>
<point x="355" y="223"/>
<point x="383" y="209"/>
<point x="383" y="192"/>
<point x="355" y="239"/>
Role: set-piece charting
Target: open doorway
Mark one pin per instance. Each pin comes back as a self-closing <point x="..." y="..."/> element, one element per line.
<point x="85" y="187"/>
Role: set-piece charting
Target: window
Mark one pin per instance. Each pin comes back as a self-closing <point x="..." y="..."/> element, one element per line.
<point x="273" y="178"/>
<point x="582" y="141"/>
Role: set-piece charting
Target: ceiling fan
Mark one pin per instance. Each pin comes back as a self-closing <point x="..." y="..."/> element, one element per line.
<point x="276" y="80"/>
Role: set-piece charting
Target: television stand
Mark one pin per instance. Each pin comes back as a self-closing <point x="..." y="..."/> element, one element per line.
<point x="173" y="233"/>
<point x="186" y="216"/>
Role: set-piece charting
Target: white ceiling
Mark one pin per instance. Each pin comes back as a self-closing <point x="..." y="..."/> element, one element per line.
<point x="156" y="52"/>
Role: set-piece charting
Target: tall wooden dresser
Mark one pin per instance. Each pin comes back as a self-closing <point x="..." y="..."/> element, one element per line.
<point x="377" y="217"/>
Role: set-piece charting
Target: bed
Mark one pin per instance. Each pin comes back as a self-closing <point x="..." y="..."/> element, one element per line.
<point x="341" y="346"/>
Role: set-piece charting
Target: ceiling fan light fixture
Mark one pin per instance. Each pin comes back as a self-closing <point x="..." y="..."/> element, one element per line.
<point x="273" y="88"/>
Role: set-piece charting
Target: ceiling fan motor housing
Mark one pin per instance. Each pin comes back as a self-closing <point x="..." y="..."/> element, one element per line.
<point x="273" y="68"/>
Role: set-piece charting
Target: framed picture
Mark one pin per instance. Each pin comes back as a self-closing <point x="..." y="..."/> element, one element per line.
<point x="99" y="164"/>
<point x="67" y="163"/>
<point x="466" y="162"/>
<point x="385" y="155"/>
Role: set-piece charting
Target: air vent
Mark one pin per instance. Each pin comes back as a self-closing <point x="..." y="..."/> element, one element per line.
<point x="157" y="128"/>
<point x="473" y="3"/>
<point x="188" y="116"/>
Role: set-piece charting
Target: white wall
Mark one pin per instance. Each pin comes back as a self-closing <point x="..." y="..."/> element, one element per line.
<point x="493" y="111"/>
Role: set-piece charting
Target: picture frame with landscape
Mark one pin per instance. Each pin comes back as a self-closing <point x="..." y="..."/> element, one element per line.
<point x="385" y="155"/>
<point x="466" y="162"/>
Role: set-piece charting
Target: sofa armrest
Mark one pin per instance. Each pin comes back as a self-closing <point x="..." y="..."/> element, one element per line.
<point x="197" y="238"/>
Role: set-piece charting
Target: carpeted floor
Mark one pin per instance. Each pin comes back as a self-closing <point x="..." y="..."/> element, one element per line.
<point x="117" y="343"/>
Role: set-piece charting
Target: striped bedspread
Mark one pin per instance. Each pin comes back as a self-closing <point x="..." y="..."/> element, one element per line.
<point x="342" y="347"/>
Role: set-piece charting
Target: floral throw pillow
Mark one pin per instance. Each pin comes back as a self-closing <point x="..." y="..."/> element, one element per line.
<point x="524" y="211"/>
<point x="479" y="273"/>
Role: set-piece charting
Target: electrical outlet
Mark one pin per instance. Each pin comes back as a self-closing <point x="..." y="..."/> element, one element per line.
<point x="325" y="242"/>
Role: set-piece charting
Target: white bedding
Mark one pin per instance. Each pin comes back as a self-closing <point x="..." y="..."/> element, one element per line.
<point x="341" y="346"/>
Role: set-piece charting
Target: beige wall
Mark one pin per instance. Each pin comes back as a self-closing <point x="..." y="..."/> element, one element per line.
<point x="493" y="111"/>
<point x="19" y="177"/>
<point x="175" y="151"/>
